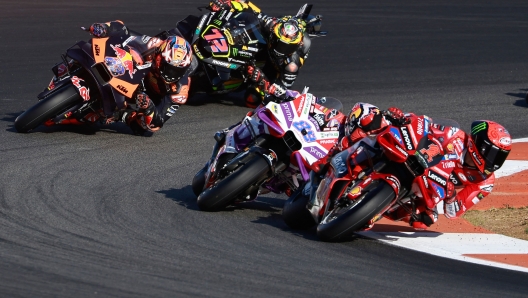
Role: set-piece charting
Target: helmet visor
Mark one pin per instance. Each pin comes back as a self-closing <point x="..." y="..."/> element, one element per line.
<point x="494" y="157"/>
<point x="170" y="73"/>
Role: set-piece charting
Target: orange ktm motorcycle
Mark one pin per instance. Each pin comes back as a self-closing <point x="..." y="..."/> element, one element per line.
<point x="397" y="168"/>
<point x="94" y="77"/>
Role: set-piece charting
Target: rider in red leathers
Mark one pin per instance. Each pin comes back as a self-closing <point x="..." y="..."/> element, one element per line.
<point x="166" y="86"/>
<point x="475" y="157"/>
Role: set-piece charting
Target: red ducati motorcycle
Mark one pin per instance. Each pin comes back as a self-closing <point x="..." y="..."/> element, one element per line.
<point x="397" y="168"/>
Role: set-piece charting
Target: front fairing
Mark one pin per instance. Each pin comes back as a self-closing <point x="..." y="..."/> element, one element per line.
<point x="227" y="39"/>
<point x="316" y="128"/>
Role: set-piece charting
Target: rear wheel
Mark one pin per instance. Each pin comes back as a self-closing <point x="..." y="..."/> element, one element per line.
<point x="342" y="221"/>
<point x="295" y="214"/>
<point x="48" y="108"/>
<point x="226" y="191"/>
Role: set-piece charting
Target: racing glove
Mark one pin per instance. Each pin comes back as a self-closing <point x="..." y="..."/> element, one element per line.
<point x="218" y="5"/>
<point x="396" y="116"/>
<point x="256" y="75"/>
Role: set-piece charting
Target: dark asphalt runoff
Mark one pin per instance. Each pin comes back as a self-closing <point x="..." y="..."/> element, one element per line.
<point x="99" y="212"/>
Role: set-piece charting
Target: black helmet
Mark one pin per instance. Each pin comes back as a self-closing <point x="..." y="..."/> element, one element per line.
<point x="489" y="145"/>
<point x="286" y="36"/>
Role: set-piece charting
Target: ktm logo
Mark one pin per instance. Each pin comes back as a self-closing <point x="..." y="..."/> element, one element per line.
<point x="122" y="89"/>
<point x="97" y="50"/>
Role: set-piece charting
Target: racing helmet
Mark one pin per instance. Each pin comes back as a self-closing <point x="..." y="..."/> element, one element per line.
<point x="286" y="36"/>
<point x="174" y="57"/>
<point x="365" y="116"/>
<point x="489" y="145"/>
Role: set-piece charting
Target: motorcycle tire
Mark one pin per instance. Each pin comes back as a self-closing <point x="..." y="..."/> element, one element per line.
<point x="198" y="181"/>
<point x="223" y="193"/>
<point x="358" y="216"/>
<point x="295" y="214"/>
<point x="48" y="108"/>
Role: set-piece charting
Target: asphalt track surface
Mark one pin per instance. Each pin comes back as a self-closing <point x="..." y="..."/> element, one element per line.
<point x="99" y="212"/>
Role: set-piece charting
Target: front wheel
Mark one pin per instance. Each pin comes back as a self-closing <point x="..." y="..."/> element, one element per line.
<point x="223" y="193"/>
<point x="295" y="214"/>
<point x="342" y="221"/>
<point x="48" y="108"/>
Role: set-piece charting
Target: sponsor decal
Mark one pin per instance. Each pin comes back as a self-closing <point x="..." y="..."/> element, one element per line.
<point x="448" y="164"/>
<point x="172" y="110"/>
<point x="454" y="180"/>
<point x="221" y="63"/>
<point x="325" y="142"/>
<point x="316" y="152"/>
<point x="217" y="41"/>
<point x="339" y="164"/>
<point x="436" y="178"/>
<point x="301" y="106"/>
<point x="319" y="118"/>
<point x="197" y="52"/>
<point x="439" y="191"/>
<point x="432" y="151"/>
<point x="406" y="138"/>
<point x="425" y="181"/>
<point x="271" y="156"/>
<point x="328" y="135"/>
<point x="125" y="58"/>
<point x="229" y="37"/>
<point x="396" y="134"/>
<point x="395" y="183"/>
<point x="356" y="191"/>
<point x="122" y="89"/>
<point x="487" y="188"/>
<point x="153" y="42"/>
<point x="420" y="126"/>
<point x="145" y="38"/>
<point x="97" y="50"/>
<point x="401" y="150"/>
<point x="452" y="132"/>
<point x="131" y="38"/>
<point x="286" y="110"/>
<point x="83" y="91"/>
<point x="144" y="66"/>
<point x="236" y="61"/>
<point x="505" y="141"/>
<point x="476" y="158"/>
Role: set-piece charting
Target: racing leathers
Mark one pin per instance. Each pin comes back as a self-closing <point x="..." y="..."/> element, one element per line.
<point x="467" y="185"/>
<point x="156" y="100"/>
<point x="279" y="71"/>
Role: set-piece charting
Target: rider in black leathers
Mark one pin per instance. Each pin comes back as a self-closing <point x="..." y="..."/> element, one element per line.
<point x="288" y="48"/>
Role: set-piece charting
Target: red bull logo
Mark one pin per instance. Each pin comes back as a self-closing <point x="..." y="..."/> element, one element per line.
<point x="126" y="61"/>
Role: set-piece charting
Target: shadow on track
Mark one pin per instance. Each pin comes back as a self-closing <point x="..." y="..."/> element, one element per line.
<point x="522" y="94"/>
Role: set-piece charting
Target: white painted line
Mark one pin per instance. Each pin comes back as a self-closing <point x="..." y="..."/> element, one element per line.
<point x="511" y="167"/>
<point x="520" y="140"/>
<point x="454" y="245"/>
